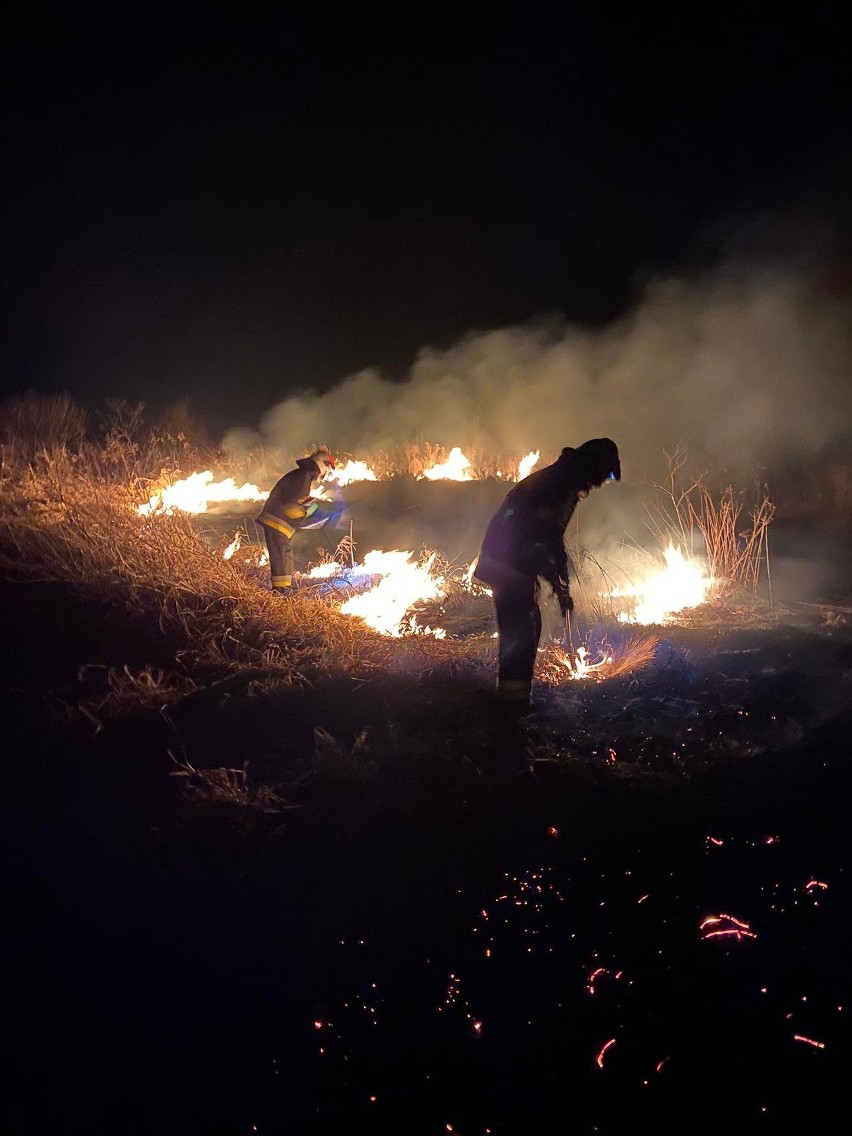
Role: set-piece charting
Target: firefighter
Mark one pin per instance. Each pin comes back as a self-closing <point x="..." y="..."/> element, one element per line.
<point x="525" y="542"/>
<point x="290" y="508"/>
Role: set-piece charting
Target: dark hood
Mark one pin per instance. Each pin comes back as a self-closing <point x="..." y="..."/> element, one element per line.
<point x="595" y="462"/>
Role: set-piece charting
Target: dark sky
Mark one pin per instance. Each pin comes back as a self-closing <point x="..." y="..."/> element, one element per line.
<point x="233" y="207"/>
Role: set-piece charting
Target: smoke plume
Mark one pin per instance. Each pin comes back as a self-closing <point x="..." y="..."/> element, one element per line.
<point x="747" y="369"/>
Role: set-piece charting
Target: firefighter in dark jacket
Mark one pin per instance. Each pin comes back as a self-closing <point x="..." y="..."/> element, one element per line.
<point x="525" y="542"/>
<point x="290" y="508"/>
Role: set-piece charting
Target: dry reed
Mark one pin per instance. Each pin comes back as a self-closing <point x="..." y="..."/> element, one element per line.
<point x="687" y="511"/>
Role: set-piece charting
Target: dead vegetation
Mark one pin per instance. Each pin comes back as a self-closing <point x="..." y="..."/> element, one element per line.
<point x="605" y="656"/>
<point x="690" y="515"/>
<point x="229" y="787"/>
<point x="70" y="516"/>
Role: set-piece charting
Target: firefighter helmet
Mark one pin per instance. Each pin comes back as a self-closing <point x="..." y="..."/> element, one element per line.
<point x="323" y="458"/>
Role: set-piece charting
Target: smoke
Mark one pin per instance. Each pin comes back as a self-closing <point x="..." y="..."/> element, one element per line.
<point x="745" y="370"/>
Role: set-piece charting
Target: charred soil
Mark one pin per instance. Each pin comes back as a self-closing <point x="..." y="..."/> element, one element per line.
<point x="272" y="872"/>
<point x="246" y="906"/>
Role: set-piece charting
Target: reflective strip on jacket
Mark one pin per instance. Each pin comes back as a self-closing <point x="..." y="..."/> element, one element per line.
<point x="290" y="505"/>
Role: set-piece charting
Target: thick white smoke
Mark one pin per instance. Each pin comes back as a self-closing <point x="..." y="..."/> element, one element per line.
<point x="746" y="371"/>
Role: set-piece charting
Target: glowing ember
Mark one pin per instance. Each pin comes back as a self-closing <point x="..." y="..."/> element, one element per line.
<point x="195" y="494"/>
<point x="597" y="973"/>
<point x="683" y="583"/>
<point x="720" y="926"/>
<point x="527" y="465"/>
<point x="402" y="584"/>
<point x="809" y="1041"/>
<point x="353" y="471"/>
<point x="605" y="1047"/>
<point x="455" y="468"/>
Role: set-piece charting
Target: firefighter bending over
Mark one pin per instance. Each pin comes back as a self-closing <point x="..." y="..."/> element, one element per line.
<point x="290" y="508"/>
<point x="525" y="541"/>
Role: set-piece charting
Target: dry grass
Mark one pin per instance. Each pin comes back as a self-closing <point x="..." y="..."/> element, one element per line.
<point x="70" y="519"/>
<point x="687" y="511"/>
<point x="264" y="466"/>
<point x="70" y="516"/>
<point x="228" y="787"/>
<point x="62" y="521"/>
<point x="608" y="658"/>
<point x="31" y="422"/>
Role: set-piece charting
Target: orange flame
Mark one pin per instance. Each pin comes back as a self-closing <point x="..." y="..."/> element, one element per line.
<point x="683" y="583"/>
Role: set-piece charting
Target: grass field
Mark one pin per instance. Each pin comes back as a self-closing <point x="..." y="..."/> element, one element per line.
<point x="272" y="871"/>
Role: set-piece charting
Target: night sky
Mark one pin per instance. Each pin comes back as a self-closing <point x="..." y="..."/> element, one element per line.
<point x="236" y="207"/>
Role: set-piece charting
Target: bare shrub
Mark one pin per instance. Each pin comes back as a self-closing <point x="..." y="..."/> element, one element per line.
<point x="687" y="511"/>
<point x="32" y="422"/>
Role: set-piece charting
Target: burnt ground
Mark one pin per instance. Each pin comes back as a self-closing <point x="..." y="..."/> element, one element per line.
<point x="439" y="923"/>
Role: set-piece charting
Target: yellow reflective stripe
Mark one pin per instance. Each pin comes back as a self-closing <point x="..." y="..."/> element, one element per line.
<point x="282" y="581"/>
<point x="295" y="512"/>
<point x="275" y="523"/>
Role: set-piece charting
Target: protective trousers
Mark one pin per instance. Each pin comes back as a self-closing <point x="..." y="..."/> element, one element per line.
<point x="519" y="630"/>
<point x="280" y="558"/>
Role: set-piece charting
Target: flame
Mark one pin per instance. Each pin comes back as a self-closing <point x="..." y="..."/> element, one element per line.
<point x="402" y="585"/>
<point x="255" y="554"/>
<point x="527" y="465"/>
<point x="683" y="583"/>
<point x="195" y="493"/>
<point x="353" y="471"/>
<point x="386" y="604"/>
<point x="455" y="468"/>
<point x="578" y="664"/>
<point x="233" y="547"/>
<point x="323" y="571"/>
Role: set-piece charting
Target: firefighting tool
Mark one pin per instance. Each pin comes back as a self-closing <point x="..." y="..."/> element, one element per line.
<point x="568" y="644"/>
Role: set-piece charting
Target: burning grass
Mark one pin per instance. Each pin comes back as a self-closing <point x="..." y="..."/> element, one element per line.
<point x="63" y="526"/>
<point x="260" y="700"/>
<point x="225" y="637"/>
<point x="222" y="631"/>
<point x="686" y="511"/>
<point x="601" y="657"/>
<point x="60" y="524"/>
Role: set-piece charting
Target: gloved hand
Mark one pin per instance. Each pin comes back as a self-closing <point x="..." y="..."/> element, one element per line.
<point x="566" y="604"/>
